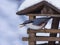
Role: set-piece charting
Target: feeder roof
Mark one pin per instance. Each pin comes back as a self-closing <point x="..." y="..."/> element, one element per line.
<point x="29" y="5"/>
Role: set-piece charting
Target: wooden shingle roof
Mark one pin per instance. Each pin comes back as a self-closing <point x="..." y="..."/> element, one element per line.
<point x="37" y="7"/>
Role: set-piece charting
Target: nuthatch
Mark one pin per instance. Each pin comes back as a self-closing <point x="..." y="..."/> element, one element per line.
<point x="38" y="23"/>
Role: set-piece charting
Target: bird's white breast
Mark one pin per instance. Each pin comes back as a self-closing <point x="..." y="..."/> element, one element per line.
<point x="31" y="26"/>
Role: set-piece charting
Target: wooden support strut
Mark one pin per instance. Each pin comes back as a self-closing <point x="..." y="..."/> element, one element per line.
<point x="32" y="17"/>
<point x="55" y="24"/>
<point x="32" y="35"/>
<point x="31" y="39"/>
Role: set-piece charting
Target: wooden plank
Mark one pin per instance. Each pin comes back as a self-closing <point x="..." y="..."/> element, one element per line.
<point x="54" y="15"/>
<point x="55" y="24"/>
<point x="44" y="31"/>
<point x="42" y="39"/>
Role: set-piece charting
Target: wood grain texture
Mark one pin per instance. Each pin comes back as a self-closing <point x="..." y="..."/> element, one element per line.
<point x="44" y="31"/>
<point x="32" y="35"/>
<point x="32" y="17"/>
<point x="41" y="39"/>
<point x="53" y="15"/>
<point x="55" y="24"/>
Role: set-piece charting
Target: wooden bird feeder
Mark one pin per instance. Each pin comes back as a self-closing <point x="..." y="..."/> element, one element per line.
<point x="42" y="9"/>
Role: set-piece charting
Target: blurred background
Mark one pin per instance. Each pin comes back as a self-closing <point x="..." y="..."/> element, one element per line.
<point x="10" y="34"/>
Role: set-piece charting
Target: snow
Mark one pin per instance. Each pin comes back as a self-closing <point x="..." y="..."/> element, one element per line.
<point x="28" y="3"/>
<point x="56" y="3"/>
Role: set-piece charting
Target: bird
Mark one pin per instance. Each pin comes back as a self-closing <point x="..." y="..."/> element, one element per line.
<point x="38" y="23"/>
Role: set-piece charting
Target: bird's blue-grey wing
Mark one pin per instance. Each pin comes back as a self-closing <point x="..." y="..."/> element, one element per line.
<point x="27" y="21"/>
<point x="39" y="21"/>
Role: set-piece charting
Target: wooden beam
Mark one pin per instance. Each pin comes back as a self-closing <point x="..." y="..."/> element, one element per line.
<point x="43" y="38"/>
<point x="32" y="17"/>
<point x="54" y="15"/>
<point x="44" y="31"/>
<point x="55" y="25"/>
<point x="32" y="35"/>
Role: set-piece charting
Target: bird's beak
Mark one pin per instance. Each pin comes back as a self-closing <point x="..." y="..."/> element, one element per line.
<point x="21" y="25"/>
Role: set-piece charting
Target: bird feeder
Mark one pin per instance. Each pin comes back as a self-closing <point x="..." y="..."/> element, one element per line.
<point x="42" y="8"/>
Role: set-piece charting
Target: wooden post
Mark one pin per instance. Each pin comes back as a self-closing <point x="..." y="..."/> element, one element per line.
<point x="55" y="24"/>
<point x="32" y="35"/>
<point x="32" y="17"/>
<point x="59" y="37"/>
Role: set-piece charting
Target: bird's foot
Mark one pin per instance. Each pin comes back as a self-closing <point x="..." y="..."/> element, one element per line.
<point x="45" y="29"/>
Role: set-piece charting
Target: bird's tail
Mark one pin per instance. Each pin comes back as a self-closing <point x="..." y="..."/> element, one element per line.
<point x="49" y="17"/>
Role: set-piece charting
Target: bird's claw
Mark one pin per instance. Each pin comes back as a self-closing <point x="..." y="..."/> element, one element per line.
<point x="45" y="29"/>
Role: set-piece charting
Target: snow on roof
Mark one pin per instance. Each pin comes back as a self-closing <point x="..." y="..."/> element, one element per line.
<point x="28" y="3"/>
<point x="56" y="3"/>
